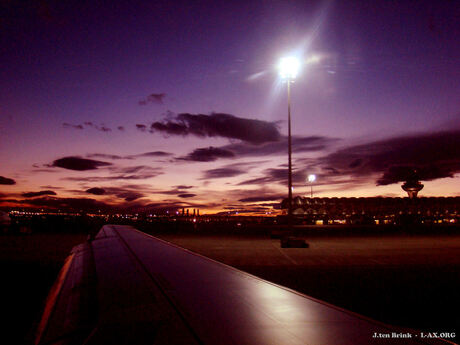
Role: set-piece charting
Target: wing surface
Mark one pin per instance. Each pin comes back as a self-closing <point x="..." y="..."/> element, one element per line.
<point x="127" y="287"/>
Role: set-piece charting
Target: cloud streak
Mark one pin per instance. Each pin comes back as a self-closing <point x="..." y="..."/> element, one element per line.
<point x="139" y="172"/>
<point x="100" y="128"/>
<point x="186" y="195"/>
<point x="6" y="181"/>
<point x="277" y="175"/>
<point x="141" y="127"/>
<point x="432" y="155"/>
<point x="222" y="173"/>
<point x="143" y="176"/>
<point x="40" y="193"/>
<point x="209" y="154"/>
<point x="299" y="144"/>
<point x="122" y="193"/>
<point x="219" y="125"/>
<point x="243" y="149"/>
<point x="96" y="191"/>
<point x="153" y="154"/>
<point x="78" y="163"/>
<point x="68" y="125"/>
<point x="155" y="98"/>
<point x="105" y="156"/>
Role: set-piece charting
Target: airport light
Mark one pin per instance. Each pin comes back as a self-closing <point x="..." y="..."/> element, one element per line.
<point x="311" y="179"/>
<point x="288" y="69"/>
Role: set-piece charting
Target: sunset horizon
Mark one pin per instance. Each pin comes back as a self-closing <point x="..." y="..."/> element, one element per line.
<point x="166" y="106"/>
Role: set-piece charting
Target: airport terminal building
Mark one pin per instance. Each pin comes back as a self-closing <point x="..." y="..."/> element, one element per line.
<point x="375" y="210"/>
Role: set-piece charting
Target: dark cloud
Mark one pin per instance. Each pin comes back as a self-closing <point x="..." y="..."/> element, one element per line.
<point x="101" y="128"/>
<point x="299" y="144"/>
<point x="50" y="187"/>
<point x="35" y="194"/>
<point x="169" y="128"/>
<point x="96" y="191"/>
<point x="130" y="196"/>
<point x="141" y="187"/>
<point x="111" y="178"/>
<point x="7" y="181"/>
<point x="263" y="198"/>
<point x="121" y="128"/>
<point x="132" y="169"/>
<point x="222" y="173"/>
<point x="433" y="156"/>
<point x="140" y="172"/>
<point x="68" y="125"/>
<point x="259" y="180"/>
<point x="137" y="169"/>
<point x="231" y="170"/>
<point x="141" y="127"/>
<point x="209" y="154"/>
<point x="154" y="154"/>
<point x="105" y="156"/>
<point x="174" y="191"/>
<point x="277" y="175"/>
<point x="184" y="187"/>
<point x="219" y="125"/>
<point x="78" y="163"/>
<point x="156" y="98"/>
<point x="126" y="194"/>
<point x="186" y="195"/>
<point x="116" y="157"/>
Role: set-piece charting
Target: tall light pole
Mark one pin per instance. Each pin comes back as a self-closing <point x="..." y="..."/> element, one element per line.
<point x="311" y="179"/>
<point x="288" y="68"/>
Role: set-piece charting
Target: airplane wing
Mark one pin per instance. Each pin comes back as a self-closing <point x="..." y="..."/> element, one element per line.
<point x="127" y="287"/>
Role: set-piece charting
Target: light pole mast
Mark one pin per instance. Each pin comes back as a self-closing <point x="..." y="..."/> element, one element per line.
<point x="289" y="154"/>
<point x="311" y="179"/>
<point x="288" y="68"/>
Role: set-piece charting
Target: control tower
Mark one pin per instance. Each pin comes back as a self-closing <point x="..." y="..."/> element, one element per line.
<point x="412" y="185"/>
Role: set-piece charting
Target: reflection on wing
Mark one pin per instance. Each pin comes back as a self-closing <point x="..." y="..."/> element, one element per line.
<point x="126" y="287"/>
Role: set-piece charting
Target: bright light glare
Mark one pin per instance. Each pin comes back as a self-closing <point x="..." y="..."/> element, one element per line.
<point x="289" y="67"/>
<point x="311" y="178"/>
<point x="313" y="59"/>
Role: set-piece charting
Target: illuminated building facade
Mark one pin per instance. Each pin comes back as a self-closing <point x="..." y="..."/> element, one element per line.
<point x="375" y="210"/>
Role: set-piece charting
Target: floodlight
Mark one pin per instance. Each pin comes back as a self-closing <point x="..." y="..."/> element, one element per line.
<point x="289" y="67"/>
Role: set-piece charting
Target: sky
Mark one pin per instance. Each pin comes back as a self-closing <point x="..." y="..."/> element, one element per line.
<point x="160" y="105"/>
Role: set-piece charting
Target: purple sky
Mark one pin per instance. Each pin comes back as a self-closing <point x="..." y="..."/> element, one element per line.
<point x="194" y="84"/>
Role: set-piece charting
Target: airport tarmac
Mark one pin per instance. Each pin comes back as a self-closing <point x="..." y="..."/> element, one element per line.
<point x="409" y="281"/>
